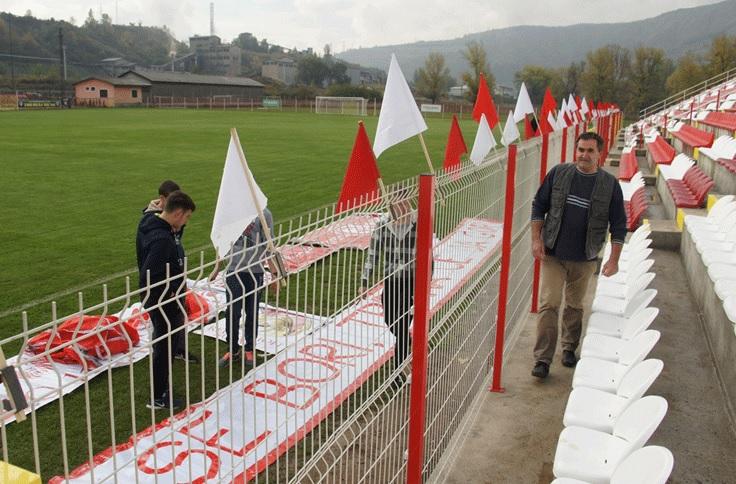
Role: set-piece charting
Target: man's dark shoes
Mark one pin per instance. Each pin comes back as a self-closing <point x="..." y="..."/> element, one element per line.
<point x="541" y="369"/>
<point x="163" y="403"/>
<point x="569" y="359"/>
<point x="188" y="356"/>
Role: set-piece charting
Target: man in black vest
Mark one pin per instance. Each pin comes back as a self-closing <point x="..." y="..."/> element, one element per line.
<point x="574" y="209"/>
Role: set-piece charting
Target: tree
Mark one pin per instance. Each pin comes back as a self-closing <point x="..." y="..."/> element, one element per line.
<point x="327" y="51"/>
<point x="29" y="13"/>
<point x="722" y="54"/>
<point x="107" y="20"/>
<point x="537" y="79"/>
<point x="649" y="73"/>
<point x="90" y="21"/>
<point x="476" y="57"/>
<point x="312" y="70"/>
<point x="433" y="80"/>
<point x="339" y="73"/>
<point x="247" y="41"/>
<point x="689" y="71"/>
<point x="606" y="74"/>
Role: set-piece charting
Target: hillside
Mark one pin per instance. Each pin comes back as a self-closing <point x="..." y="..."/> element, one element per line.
<point x="510" y="49"/>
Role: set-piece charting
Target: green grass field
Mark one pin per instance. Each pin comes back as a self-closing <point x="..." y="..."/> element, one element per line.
<point x="74" y="182"/>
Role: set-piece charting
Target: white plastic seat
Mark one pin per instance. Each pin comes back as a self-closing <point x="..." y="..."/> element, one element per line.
<point x="722" y="147"/>
<point x="599" y="410"/>
<point x="607" y="375"/>
<point x="616" y="349"/>
<point x="623" y="307"/>
<point x="729" y="307"/>
<point x="718" y="257"/>
<point x="592" y="456"/>
<point x="649" y="465"/>
<point x="714" y="211"/>
<point x="677" y="169"/>
<point x="725" y="288"/>
<point x="621" y="291"/>
<point x="708" y="238"/>
<point x="718" y="271"/>
<point x="620" y="327"/>
<point x="626" y="270"/>
<point x="716" y="246"/>
<point x="629" y="249"/>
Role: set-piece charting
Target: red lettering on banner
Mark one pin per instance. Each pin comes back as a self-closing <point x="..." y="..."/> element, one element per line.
<point x="354" y="316"/>
<point x="282" y="368"/>
<point x="332" y="355"/>
<point x="180" y="457"/>
<point x="214" y="441"/>
<point x="279" y="396"/>
<point x="459" y="265"/>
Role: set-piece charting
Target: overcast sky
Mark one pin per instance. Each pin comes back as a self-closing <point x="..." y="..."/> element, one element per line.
<point x="348" y="23"/>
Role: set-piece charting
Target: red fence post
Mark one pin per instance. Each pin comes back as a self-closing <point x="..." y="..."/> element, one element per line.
<point x="537" y="265"/>
<point x="508" y="217"/>
<point x="563" y="154"/>
<point x="423" y="279"/>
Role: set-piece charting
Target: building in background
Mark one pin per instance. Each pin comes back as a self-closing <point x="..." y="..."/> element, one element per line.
<point x="184" y="84"/>
<point x="211" y="56"/>
<point x="283" y="70"/>
<point x="109" y="92"/>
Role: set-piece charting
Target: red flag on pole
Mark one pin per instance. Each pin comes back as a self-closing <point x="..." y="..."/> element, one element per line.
<point x="529" y="128"/>
<point x="549" y="105"/>
<point x="455" y="147"/>
<point x="484" y="104"/>
<point x="361" y="177"/>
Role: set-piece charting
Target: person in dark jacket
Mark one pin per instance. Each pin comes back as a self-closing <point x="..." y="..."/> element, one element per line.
<point x="575" y="207"/>
<point x="162" y="279"/>
<point x="155" y="207"/>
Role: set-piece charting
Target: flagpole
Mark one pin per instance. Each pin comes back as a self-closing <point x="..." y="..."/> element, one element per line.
<point x="251" y="184"/>
<point x="426" y="153"/>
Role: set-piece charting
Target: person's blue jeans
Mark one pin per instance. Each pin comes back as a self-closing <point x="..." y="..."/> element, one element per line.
<point x="243" y="298"/>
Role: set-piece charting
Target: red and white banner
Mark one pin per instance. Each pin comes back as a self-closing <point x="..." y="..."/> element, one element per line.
<point x="237" y="432"/>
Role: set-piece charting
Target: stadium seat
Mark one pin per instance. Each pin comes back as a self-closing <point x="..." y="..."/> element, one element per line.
<point x="728" y="164"/>
<point x="721" y="120"/>
<point x="706" y="239"/>
<point x="692" y="190"/>
<point x="723" y="147"/>
<point x="592" y="456"/>
<point x="598" y="410"/>
<point x="649" y="465"/>
<point x="692" y="136"/>
<point x="725" y="288"/>
<point x="678" y="168"/>
<point x="618" y="350"/>
<point x="607" y="375"/>
<point x="729" y="306"/>
<point x="635" y="283"/>
<point x="639" y="266"/>
<point x="624" y="307"/>
<point x="661" y="151"/>
<point x="720" y="271"/>
<point x="717" y="212"/>
<point x="628" y="165"/>
<point x="718" y="256"/>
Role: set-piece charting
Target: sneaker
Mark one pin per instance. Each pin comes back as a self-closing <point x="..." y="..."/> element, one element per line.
<point x="163" y="403"/>
<point x="188" y="356"/>
<point x="228" y="358"/>
<point x="569" y="359"/>
<point x="541" y="369"/>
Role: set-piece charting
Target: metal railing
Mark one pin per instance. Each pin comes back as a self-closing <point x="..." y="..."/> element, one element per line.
<point x="326" y="399"/>
<point x="687" y="93"/>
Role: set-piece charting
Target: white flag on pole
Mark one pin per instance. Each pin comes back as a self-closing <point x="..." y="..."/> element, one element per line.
<point x="484" y="141"/>
<point x="571" y="103"/>
<point x="510" y="131"/>
<point x="523" y="104"/>
<point x="552" y="121"/>
<point x="584" y="108"/>
<point x="236" y="203"/>
<point x="399" y="118"/>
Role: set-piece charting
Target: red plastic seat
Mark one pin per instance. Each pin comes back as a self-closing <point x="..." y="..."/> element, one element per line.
<point x="730" y="165"/>
<point x="628" y="166"/>
<point x="721" y="120"/>
<point x="692" y="136"/>
<point x="661" y="151"/>
<point x="692" y="190"/>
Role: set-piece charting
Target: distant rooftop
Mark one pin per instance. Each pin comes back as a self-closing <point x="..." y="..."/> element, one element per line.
<point x="188" y="78"/>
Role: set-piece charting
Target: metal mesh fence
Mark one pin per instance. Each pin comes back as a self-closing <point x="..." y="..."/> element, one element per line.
<point x="326" y="396"/>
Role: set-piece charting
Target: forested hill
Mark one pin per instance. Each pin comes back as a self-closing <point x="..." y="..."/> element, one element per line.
<point x="510" y="49"/>
<point x="87" y="44"/>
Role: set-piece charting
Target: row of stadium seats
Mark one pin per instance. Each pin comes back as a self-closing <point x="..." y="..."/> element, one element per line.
<point x="608" y="420"/>
<point x="714" y="237"/>
<point x="635" y="200"/>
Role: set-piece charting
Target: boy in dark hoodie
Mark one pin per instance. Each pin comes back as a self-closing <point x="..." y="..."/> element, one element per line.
<point x="160" y="253"/>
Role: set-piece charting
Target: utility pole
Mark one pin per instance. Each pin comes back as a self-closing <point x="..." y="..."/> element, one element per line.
<point x="12" y="56"/>
<point x="62" y="64"/>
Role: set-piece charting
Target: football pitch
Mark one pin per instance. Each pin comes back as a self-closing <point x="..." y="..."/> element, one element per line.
<point x="74" y="182"/>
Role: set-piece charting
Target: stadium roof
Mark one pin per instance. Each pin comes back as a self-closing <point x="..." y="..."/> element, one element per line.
<point x="188" y="78"/>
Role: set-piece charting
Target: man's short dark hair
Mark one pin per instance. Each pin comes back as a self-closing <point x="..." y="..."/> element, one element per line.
<point x="167" y="187"/>
<point x="179" y="200"/>
<point x="591" y="135"/>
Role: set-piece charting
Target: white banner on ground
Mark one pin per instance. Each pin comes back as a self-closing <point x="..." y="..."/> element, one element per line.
<point x="237" y="432"/>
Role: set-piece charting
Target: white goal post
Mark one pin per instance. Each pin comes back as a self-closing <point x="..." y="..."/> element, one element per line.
<point x="341" y="105"/>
